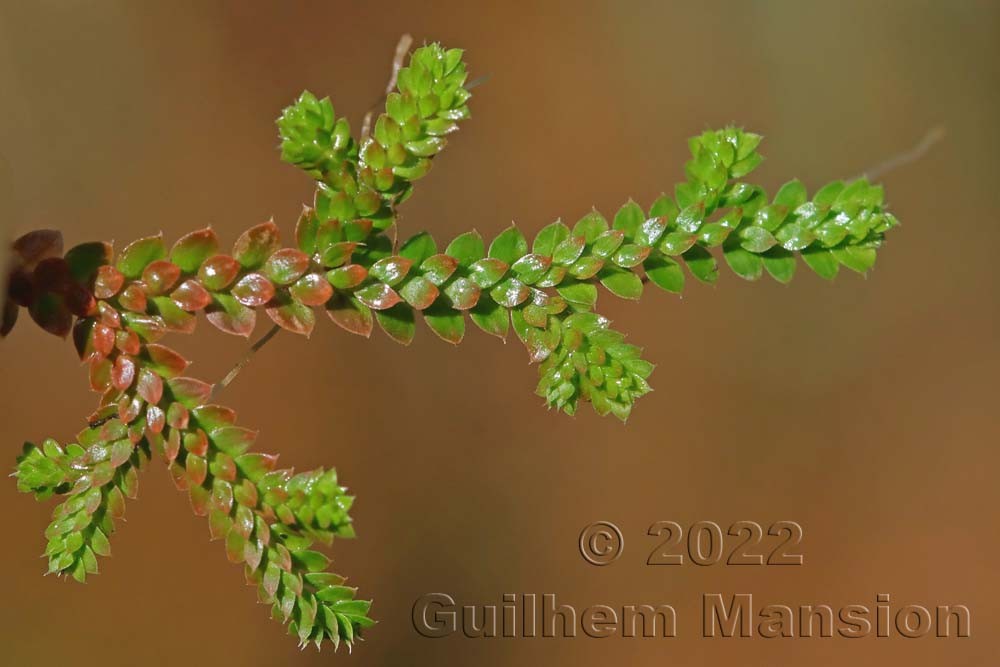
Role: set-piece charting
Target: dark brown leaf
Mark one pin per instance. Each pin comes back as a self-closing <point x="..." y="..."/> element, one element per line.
<point x="49" y="311"/>
<point x="37" y="245"/>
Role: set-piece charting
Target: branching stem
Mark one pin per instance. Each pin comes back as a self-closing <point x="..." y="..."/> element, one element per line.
<point x="402" y="48"/>
<point x="932" y="136"/>
<point x="242" y="363"/>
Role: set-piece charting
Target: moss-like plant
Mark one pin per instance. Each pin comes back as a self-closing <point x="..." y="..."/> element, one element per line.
<point x="345" y="262"/>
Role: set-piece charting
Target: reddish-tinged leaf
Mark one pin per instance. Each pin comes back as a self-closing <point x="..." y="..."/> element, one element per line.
<point x="357" y="230"/>
<point x="149" y="386"/>
<point x="587" y="267"/>
<point x="229" y="315"/>
<point x="531" y="267"/>
<point x="100" y="375"/>
<point x="272" y="577"/>
<point x="311" y="289"/>
<point x="252" y="554"/>
<point x="195" y="442"/>
<point x="190" y="392"/>
<point x="350" y="314"/>
<point x="178" y="475"/>
<point x="139" y="254"/>
<point x="222" y="495"/>
<point x="127" y="341"/>
<point x="149" y="327"/>
<point x="438" y="268"/>
<point x="98" y="339"/>
<point x="234" y="546"/>
<point x="102" y="339"/>
<point x="306" y="230"/>
<point x="128" y="408"/>
<point x="629" y="255"/>
<point x="378" y="296"/>
<point x="213" y="416"/>
<point x="398" y="322"/>
<point x="463" y="293"/>
<point x="160" y="276"/>
<point x="37" y="245"/>
<point x="156" y="419"/>
<point x="510" y="292"/>
<point x="197" y="469"/>
<point x="253" y="290"/>
<point x="487" y="272"/>
<point x="123" y="373"/>
<point x="218" y="272"/>
<point x="137" y="430"/>
<point x="391" y="270"/>
<point x="130" y="483"/>
<point x="193" y="249"/>
<point x="535" y="315"/>
<point x="116" y="503"/>
<point x="233" y="440"/>
<point x="219" y="524"/>
<point x="569" y="250"/>
<point x="256" y="244"/>
<point x="286" y="266"/>
<point x="191" y="296"/>
<point x="256" y="465"/>
<point x="133" y="298"/>
<point x="174" y="317"/>
<point x="348" y="276"/>
<point x="200" y="497"/>
<point x="243" y="521"/>
<point x="263" y="530"/>
<point x="107" y="315"/>
<point x="224" y="468"/>
<point x="177" y="416"/>
<point x="419" y="292"/>
<point x="164" y="361"/>
<point x="338" y="254"/>
<point x="109" y="280"/>
<point x="79" y="300"/>
<point x="538" y="348"/>
<point x="293" y="316"/>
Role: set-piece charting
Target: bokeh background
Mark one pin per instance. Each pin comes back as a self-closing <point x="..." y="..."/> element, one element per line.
<point x="864" y="409"/>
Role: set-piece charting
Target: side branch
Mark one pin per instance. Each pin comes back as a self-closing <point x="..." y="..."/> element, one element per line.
<point x="242" y="363"/>
<point x="402" y="48"/>
<point x="933" y="136"/>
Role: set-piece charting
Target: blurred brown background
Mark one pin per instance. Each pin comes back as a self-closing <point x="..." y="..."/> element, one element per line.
<point x="863" y="409"/>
